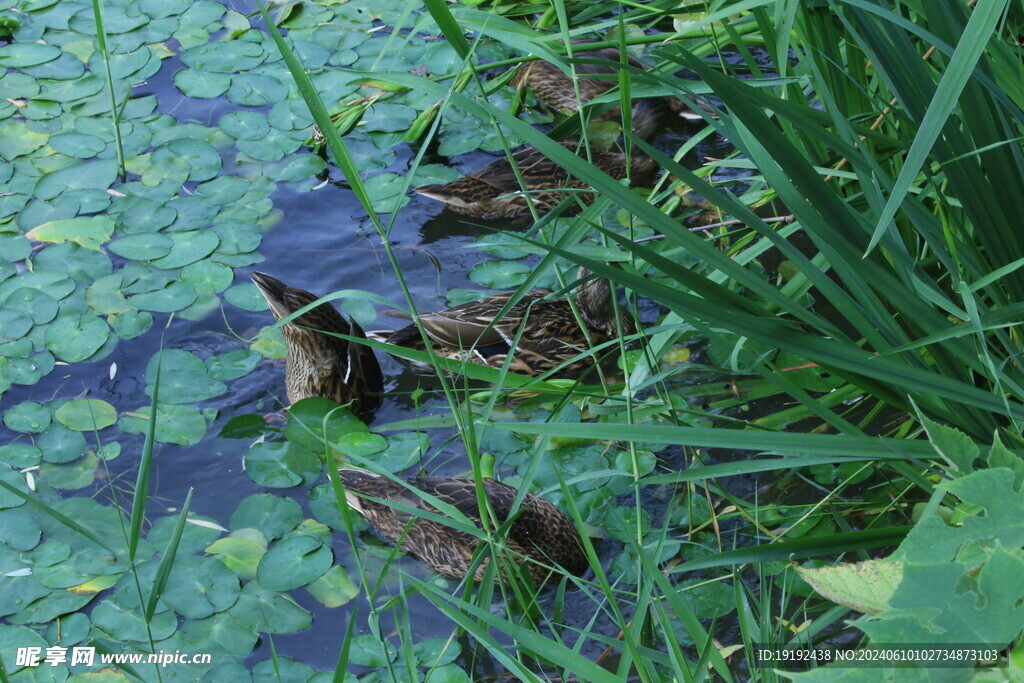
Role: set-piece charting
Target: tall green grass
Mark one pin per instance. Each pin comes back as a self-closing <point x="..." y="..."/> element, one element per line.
<point x="892" y="135"/>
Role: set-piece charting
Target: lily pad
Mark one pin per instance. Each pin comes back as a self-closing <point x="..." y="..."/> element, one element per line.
<point x="256" y="90"/>
<point x="60" y="444"/>
<point x="233" y="364"/>
<point x="142" y="246"/>
<point x="174" y="297"/>
<point x="183" y="378"/>
<point x="201" y="84"/>
<point x="200" y="586"/>
<point x="90" y="233"/>
<point x="239" y="554"/>
<point x="28" y="417"/>
<point x="180" y="424"/>
<point x="127" y="624"/>
<point x="246" y="297"/>
<point x="500" y="274"/>
<point x="17" y="140"/>
<point x="267" y="611"/>
<point x="74" y="338"/>
<point x="97" y="175"/>
<point x="203" y="160"/>
<point x="334" y="588"/>
<point x="281" y="465"/>
<point x="78" y="145"/>
<point x="294" y="562"/>
<point x="15" y="325"/>
<point x="368" y="650"/>
<point x="20" y="55"/>
<point x="86" y="415"/>
<point x="189" y="247"/>
<point x="131" y="324"/>
<point x="38" y="306"/>
<point x="245" y="125"/>
<point x="273" y="515"/>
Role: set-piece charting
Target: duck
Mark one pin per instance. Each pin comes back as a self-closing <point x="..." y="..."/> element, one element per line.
<point x="317" y="363"/>
<point x="548" y="331"/>
<point x="554" y="87"/>
<point x="540" y="537"/>
<point x="494" y="190"/>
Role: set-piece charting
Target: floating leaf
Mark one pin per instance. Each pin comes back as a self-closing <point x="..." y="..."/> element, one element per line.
<point x="269" y="612"/>
<point x="74" y="338"/>
<point x="78" y="145"/>
<point x="297" y="167"/>
<point x="240" y="555"/>
<point x="245" y="125"/>
<point x="38" y="306"/>
<point x="142" y="246"/>
<point x="131" y="324"/>
<point x="183" y="378"/>
<point x="256" y="90"/>
<point x="90" y="233"/>
<point x="201" y="84"/>
<point x="500" y="274"/>
<point x="15" y="325"/>
<point x="334" y="588"/>
<point x="246" y="297"/>
<point x="17" y="140"/>
<point x="198" y="587"/>
<point x="281" y="465"/>
<point x="84" y="175"/>
<point x="233" y="364"/>
<point x="294" y="562"/>
<point x="20" y="55"/>
<point x="368" y="650"/>
<point x="127" y="624"/>
<point x="188" y="247"/>
<point x="86" y="414"/>
<point x="174" y="297"/>
<point x="203" y="160"/>
<point x="273" y="515"/>
<point x="28" y="417"/>
<point x="60" y="444"/>
<point x="180" y="424"/>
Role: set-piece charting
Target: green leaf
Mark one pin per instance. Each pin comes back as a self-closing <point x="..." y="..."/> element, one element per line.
<point x="36" y="305"/>
<point x="183" y="379"/>
<point x="201" y="84"/>
<point x="20" y="55"/>
<point x="17" y="140"/>
<point x="91" y="233"/>
<point x="294" y="562"/>
<point x="500" y="274"/>
<point x="281" y="465"/>
<point x="334" y="588"/>
<point x="189" y="247"/>
<point x="126" y="624"/>
<point x="28" y="417"/>
<point x="863" y="586"/>
<point x="954" y="446"/>
<point x="239" y="554"/>
<point x="142" y="247"/>
<point x="198" y="587"/>
<point x="180" y="424"/>
<point x="173" y="297"/>
<point x="256" y="90"/>
<point x="86" y="415"/>
<point x="203" y="160"/>
<point x="74" y="338"/>
<point x="272" y="515"/>
<point x="368" y="650"/>
<point x="84" y="175"/>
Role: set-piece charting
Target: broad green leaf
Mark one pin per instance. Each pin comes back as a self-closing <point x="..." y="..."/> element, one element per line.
<point x="91" y="233"/>
<point x="86" y="415"/>
<point x="864" y="586"/>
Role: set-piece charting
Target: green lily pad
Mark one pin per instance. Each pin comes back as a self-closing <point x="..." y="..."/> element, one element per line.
<point x="77" y="145"/>
<point x="500" y="274"/>
<point x="297" y="167"/>
<point x="104" y="296"/>
<point x="14" y="637"/>
<point x="20" y="455"/>
<point x="294" y="562"/>
<point x="127" y="624"/>
<point x="267" y="611"/>
<point x="368" y="650"/>
<point x="334" y="588"/>
<point x="86" y="414"/>
<point x="174" y="297"/>
<point x="28" y="417"/>
<point x="434" y="652"/>
<point x="306" y="423"/>
<point x="233" y="364"/>
<point x="183" y="378"/>
<point x="208" y="276"/>
<point x="15" y="325"/>
<point x="201" y="84"/>
<point x="60" y="444"/>
<point x="180" y="424"/>
<point x="189" y="247"/>
<point x="200" y="586"/>
<point x="91" y="233"/>
<point x="142" y="246"/>
<point x="239" y="554"/>
<point x="131" y="324"/>
<point x="230" y="57"/>
<point x="272" y="515"/>
<point x="38" y="306"/>
<point x="49" y="607"/>
<point x="17" y="140"/>
<point x="203" y="160"/>
<point x="224" y="630"/>
<point x="246" y="297"/>
<point x="256" y="90"/>
<point x="20" y="55"/>
<point x="74" y="338"/>
<point x="245" y="125"/>
<point x="281" y="465"/>
<point x="84" y="175"/>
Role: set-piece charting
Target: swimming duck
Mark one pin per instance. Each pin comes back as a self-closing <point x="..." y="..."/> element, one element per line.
<point x="554" y="87"/>
<point x="550" y="334"/>
<point x="494" y="191"/>
<point x="541" y="535"/>
<point x="320" y="364"/>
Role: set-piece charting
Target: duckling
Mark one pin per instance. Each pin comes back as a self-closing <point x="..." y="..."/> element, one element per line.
<point x="554" y="87"/>
<point x="549" y="334"/>
<point x="320" y="364"/>
<point x="540" y="535"/>
<point x="494" y="191"/>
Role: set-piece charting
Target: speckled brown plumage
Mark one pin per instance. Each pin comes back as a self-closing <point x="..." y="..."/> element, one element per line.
<point x="549" y="334"/>
<point x="320" y="364"/>
<point x="540" y="531"/>
<point x="494" y="190"/>
<point x="596" y="73"/>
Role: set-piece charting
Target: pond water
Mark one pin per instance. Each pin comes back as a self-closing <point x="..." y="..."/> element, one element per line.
<point x="322" y="241"/>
